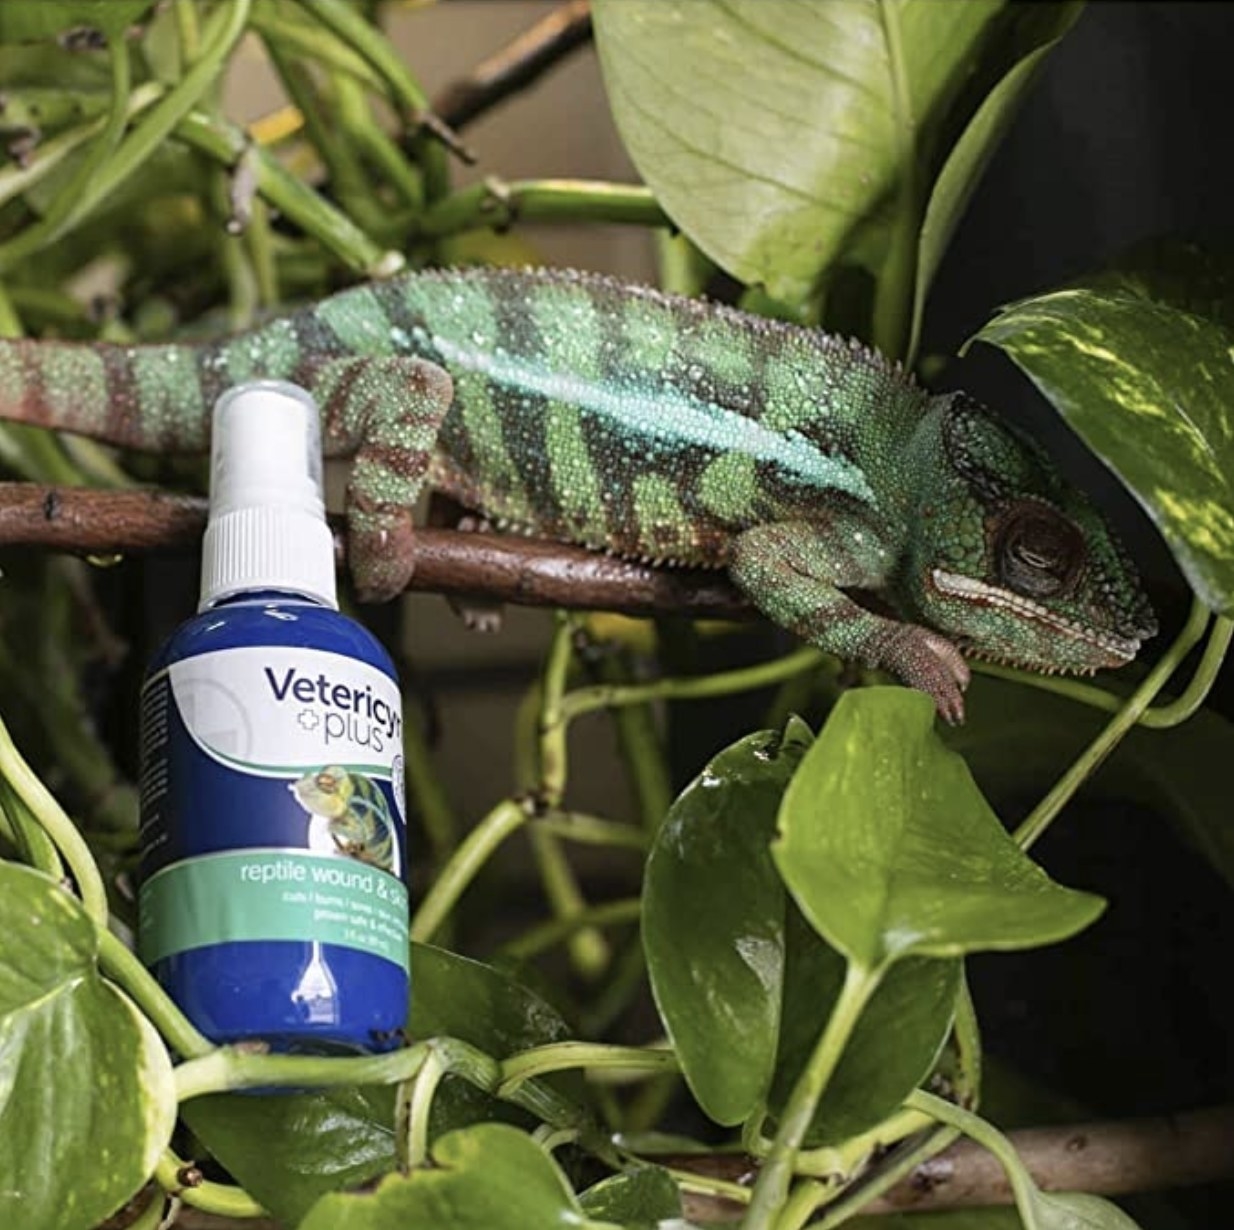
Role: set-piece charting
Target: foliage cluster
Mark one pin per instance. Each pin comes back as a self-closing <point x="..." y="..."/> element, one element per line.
<point x="806" y="904"/>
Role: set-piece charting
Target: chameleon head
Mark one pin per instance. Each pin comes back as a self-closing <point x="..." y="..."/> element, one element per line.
<point x="1014" y="563"/>
<point x="326" y="792"/>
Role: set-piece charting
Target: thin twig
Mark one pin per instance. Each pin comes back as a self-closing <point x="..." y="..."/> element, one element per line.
<point x="517" y="65"/>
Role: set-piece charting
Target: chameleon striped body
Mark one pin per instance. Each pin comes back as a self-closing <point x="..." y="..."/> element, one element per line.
<point x="582" y="409"/>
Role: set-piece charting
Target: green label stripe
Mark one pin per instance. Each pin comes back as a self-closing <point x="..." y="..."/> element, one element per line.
<point x="273" y="895"/>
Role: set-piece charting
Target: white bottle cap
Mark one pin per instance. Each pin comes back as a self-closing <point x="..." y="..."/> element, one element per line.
<point x="267" y="526"/>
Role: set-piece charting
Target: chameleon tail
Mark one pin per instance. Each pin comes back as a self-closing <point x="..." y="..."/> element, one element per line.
<point x="154" y="398"/>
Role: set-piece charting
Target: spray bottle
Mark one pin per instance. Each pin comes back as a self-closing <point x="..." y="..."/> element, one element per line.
<point x="273" y="903"/>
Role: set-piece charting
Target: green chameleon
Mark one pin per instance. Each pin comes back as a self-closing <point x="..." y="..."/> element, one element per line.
<point x="581" y="409"/>
<point x="356" y="810"/>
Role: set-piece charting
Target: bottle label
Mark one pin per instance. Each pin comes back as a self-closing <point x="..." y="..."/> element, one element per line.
<point x="272" y="803"/>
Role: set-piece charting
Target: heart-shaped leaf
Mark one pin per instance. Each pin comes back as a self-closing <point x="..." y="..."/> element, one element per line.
<point x="893" y="1048"/>
<point x="87" y="1099"/>
<point x="713" y="922"/>
<point x="744" y="985"/>
<point x="777" y="134"/>
<point x="487" y="1177"/>
<point x="638" y="1200"/>
<point x="889" y="848"/>
<point x="1077" y="1211"/>
<point x="290" y="1149"/>
<point x="1138" y="361"/>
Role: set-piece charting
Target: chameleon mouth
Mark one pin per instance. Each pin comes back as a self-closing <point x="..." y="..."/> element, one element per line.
<point x="1120" y="648"/>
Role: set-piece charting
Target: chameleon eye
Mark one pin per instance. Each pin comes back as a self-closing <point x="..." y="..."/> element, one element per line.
<point x="1039" y="553"/>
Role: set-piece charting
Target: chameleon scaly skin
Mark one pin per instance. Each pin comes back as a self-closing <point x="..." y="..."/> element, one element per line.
<point x="578" y="408"/>
<point x="357" y="819"/>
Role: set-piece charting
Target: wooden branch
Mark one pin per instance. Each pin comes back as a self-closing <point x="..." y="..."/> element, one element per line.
<point x="1113" y="1158"/>
<point x="524" y="571"/>
<point x="517" y="65"/>
<point x="1108" y="1159"/>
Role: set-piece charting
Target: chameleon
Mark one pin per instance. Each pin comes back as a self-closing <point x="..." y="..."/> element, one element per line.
<point x="889" y="525"/>
<point x="356" y="814"/>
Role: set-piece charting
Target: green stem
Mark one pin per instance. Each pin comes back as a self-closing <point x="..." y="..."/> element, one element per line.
<point x="188" y="30"/>
<point x="124" y="969"/>
<point x="988" y="1136"/>
<point x="497" y="205"/>
<point x="226" y="143"/>
<point x="589" y="950"/>
<point x="592" y="830"/>
<point x="537" y="939"/>
<point x="553" y="758"/>
<point x="472" y="853"/>
<point x="425" y="787"/>
<point x="1156" y="717"/>
<point x="419" y="1109"/>
<point x="72" y="846"/>
<point x="16" y="179"/>
<point x="25" y="832"/>
<point x="771" y="1189"/>
<point x="893" y="295"/>
<point x="71" y="200"/>
<point x="1134" y="707"/>
<point x="640" y="746"/>
<point x="225" y="1069"/>
<point x="224" y="31"/>
<point x="315" y="43"/>
<point x="566" y="1056"/>
<point x="602" y="696"/>
<point x="221" y="1199"/>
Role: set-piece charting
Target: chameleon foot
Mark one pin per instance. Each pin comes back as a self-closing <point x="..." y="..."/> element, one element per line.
<point x="925" y="660"/>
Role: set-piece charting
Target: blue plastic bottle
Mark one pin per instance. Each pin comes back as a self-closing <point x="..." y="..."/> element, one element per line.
<point x="273" y="902"/>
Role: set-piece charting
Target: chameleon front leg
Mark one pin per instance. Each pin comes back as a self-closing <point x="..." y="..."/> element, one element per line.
<point x="388" y="412"/>
<point x="795" y="573"/>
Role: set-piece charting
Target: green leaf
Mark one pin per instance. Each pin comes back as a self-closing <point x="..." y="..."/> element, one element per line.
<point x="713" y="922"/>
<point x="289" y="1150"/>
<point x="28" y="21"/>
<point x="889" y="848"/>
<point x="775" y="133"/>
<point x="1140" y="362"/>
<point x="1077" y="1211"/>
<point x="87" y="1100"/>
<point x="893" y="1048"/>
<point x="969" y="156"/>
<point x="744" y="984"/>
<point x="488" y="1177"/>
<point x="638" y="1199"/>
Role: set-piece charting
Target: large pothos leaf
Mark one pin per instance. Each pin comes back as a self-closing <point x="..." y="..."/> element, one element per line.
<point x="890" y="849"/>
<point x="1138" y="360"/>
<point x="713" y="922"/>
<point x="639" y="1199"/>
<point x="87" y="1100"/>
<point x="787" y="139"/>
<point x="743" y="984"/>
<point x="779" y="135"/>
<point x="488" y="1177"/>
<point x="291" y="1149"/>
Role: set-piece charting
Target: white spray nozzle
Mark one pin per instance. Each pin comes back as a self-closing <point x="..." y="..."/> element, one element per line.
<point x="267" y="528"/>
